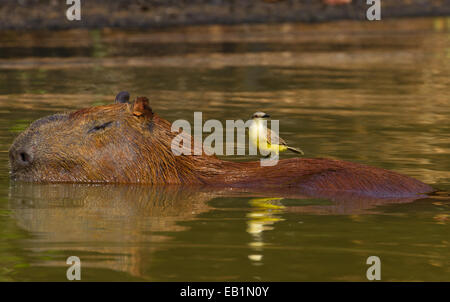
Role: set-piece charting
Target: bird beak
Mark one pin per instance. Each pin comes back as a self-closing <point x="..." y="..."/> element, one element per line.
<point x="266" y="115"/>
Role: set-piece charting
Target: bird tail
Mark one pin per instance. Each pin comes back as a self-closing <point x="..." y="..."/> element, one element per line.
<point x="296" y="150"/>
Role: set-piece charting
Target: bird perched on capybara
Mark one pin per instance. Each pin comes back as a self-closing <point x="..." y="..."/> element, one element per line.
<point x="129" y="143"/>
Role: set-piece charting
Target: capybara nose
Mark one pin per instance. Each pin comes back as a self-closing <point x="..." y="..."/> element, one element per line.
<point x="22" y="157"/>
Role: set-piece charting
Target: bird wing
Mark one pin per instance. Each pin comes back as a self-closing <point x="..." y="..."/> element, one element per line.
<point x="271" y="134"/>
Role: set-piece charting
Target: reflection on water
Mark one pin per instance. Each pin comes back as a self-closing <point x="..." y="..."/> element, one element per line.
<point x="365" y="92"/>
<point x="260" y="219"/>
<point x="134" y="229"/>
<point x="111" y="222"/>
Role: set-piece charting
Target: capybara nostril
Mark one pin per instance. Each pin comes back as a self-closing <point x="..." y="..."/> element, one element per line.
<point x="23" y="157"/>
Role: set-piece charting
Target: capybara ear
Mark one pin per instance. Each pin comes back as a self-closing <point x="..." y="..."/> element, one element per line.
<point x="142" y="108"/>
<point x="122" y="97"/>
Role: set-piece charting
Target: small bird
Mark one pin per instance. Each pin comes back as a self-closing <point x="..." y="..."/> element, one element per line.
<point x="262" y="137"/>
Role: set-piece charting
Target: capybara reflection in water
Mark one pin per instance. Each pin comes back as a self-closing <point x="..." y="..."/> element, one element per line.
<point x="129" y="143"/>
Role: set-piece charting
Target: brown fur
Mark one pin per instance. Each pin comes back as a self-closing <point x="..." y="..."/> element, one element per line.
<point x="128" y="143"/>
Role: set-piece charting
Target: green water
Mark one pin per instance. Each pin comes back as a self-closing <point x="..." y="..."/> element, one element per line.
<point x="374" y="93"/>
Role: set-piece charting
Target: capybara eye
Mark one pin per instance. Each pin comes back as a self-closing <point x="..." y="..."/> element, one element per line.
<point x="100" y="127"/>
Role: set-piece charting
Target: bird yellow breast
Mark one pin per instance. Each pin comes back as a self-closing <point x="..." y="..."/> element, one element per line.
<point x="258" y="137"/>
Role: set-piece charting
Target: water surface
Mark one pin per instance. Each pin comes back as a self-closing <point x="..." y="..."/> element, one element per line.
<point x="374" y="93"/>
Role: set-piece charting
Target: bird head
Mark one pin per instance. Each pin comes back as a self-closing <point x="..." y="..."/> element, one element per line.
<point x="260" y="115"/>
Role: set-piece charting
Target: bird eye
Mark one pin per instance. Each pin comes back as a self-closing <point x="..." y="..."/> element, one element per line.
<point x="100" y="127"/>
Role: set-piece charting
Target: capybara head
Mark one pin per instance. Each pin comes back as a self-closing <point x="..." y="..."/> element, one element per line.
<point x="122" y="142"/>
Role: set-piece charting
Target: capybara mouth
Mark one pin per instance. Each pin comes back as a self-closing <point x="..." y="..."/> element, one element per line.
<point x="36" y="175"/>
<point x="33" y="171"/>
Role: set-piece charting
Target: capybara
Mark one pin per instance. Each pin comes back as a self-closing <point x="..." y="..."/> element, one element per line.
<point x="129" y="143"/>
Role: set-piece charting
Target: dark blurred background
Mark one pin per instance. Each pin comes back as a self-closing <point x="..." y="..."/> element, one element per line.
<point x="50" y="14"/>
